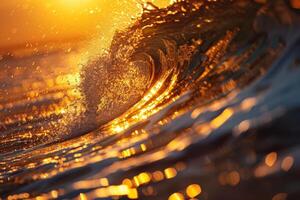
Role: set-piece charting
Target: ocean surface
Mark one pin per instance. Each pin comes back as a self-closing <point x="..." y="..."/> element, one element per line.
<point x="198" y="100"/>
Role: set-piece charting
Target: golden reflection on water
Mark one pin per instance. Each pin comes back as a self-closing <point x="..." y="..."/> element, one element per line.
<point x="129" y="186"/>
<point x="287" y="163"/>
<point x="193" y="190"/>
<point x="270" y="159"/>
<point x="143" y="112"/>
<point x="116" y="142"/>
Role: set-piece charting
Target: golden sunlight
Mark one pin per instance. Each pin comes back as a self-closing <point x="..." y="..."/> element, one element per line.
<point x="35" y="21"/>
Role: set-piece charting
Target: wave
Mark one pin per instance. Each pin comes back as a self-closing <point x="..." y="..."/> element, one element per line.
<point x="196" y="99"/>
<point x="196" y="46"/>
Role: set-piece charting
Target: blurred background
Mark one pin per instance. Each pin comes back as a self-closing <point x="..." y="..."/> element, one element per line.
<point x="32" y="22"/>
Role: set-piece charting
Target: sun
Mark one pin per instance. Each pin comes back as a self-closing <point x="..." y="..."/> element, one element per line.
<point x="74" y="3"/>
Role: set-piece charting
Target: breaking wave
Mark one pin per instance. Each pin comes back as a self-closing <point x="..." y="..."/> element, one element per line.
<point x="201" y="95"/>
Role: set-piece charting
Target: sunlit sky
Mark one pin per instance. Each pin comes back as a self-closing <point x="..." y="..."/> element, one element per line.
<point x="23" y="21"/>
